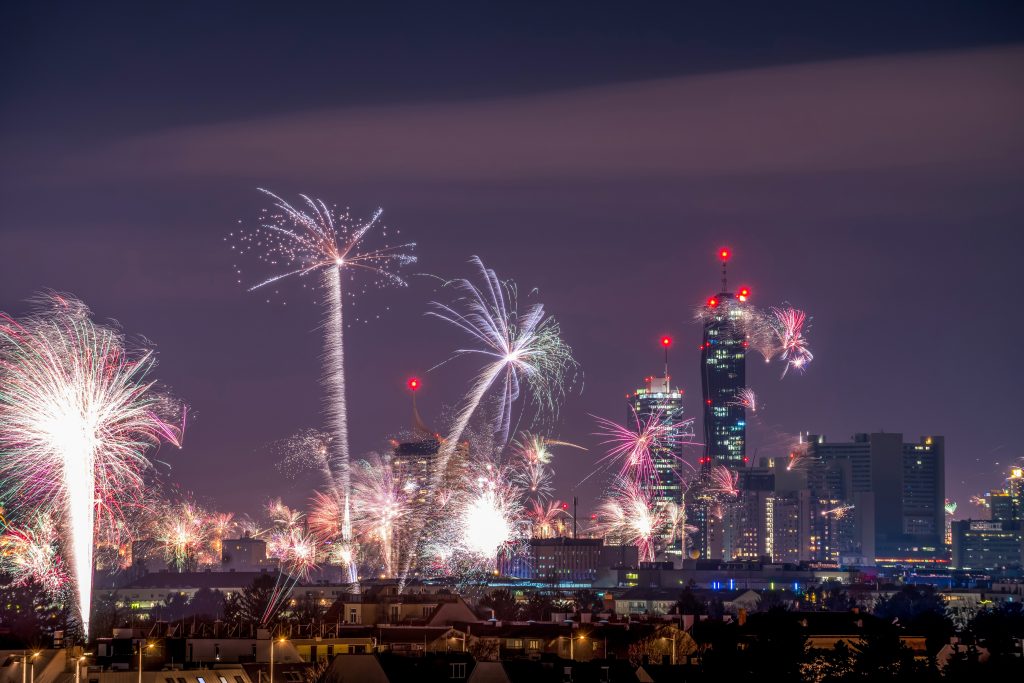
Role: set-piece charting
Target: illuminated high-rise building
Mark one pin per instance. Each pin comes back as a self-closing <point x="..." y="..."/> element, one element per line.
<point x="1015" y="487"/>
<point x="897" y="491"/>
<point x="658" y="399"/>
<point x="723" y="358"/>
<point x="723" y="363"/>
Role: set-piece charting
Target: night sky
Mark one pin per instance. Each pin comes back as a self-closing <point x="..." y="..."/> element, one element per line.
<point x="864" y="164"/>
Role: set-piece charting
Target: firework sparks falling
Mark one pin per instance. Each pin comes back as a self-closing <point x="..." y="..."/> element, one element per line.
<point x="77" y="417"/>
<point x="788" y="324"/>
<point x="320" y="239"/>
<point x="381" y="505"/>
<point x="33" y="554"/>
<point x="545" y="518"/>
<point x="950" y="507"/>
<point x="532" y="459"/>
<point x="183" y="534"/>
<point x="745" y="398"/>
<point x="630" y="516"/>
<point x="723" y="481"/>
<point x="519" y="348"/>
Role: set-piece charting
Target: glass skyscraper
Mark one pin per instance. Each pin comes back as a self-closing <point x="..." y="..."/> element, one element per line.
<point x="723" y="375"/>
<point x="723" y="356"/>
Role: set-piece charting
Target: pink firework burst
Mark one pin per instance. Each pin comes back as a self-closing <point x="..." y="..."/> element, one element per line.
<point x="632" y="447"/>
<point x="788" y="324"/>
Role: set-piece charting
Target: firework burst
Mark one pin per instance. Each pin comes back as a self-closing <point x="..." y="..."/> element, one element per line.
<point x="745" y="398"/>
<point x="532" y="459"/>
<point x="838" y="512"/>
<point x="32" y="554"/>
<point x="381" y="505"/>
<point x="519" y="348"/>
<point x="788" y="325"/>
<point x="545" y="518"/>
<point x="630" y="516"/>
<point x="632" y="448"/>
<point x="77" y="417"/>
<point x="318" y="239"/>
<point x="723" y="481"/>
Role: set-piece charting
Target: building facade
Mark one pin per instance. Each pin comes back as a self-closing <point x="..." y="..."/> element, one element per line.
<point x="893" y="494"/>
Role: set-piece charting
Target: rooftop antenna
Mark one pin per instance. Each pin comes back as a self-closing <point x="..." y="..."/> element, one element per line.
<point x="724" y="253"/>
<point x="666" y="342"/>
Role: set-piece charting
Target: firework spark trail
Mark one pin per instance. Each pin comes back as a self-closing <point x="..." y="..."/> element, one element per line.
<point x="799" y="457"/>
<point x="631" y="516"/>
<point x="32" y="554"/>
<point x="320" y="238"/>
<point x="77" y="416"/>
<point x="838" y="512"/>
<point x="520" y="348"/>
<point x="298" y="561"/>
<point x="950" y="507"/>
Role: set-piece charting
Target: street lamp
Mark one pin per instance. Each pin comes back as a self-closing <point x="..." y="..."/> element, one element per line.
<point x="281" y="640"/>
<point x="149" y="646"/>
<point x="78" y="666"/>
<point x="32" y="671"/>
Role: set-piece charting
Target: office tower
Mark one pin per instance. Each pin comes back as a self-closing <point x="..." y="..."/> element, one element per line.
<point x="746" y="533"/>
<point x="897" y="491"/>
<point x="723" y="353"/>
<point x="658" y="400"/>
<point x="1015" y="487"/>
<point x="986" y="545"/>
<point x="412" y="461"/>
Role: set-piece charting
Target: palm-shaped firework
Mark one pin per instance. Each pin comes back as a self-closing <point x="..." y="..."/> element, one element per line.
<point x="519" y="347"/>
<point x="318" y="239"/>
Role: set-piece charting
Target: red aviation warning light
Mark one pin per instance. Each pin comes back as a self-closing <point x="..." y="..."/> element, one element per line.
<point x="724" y="253"/>
<point x="414" y="384"/>
<point x="666" y="341"/>
<point x="565" y="506"/>
<point x="743" y="294"/>
<point x="713" y="302"/>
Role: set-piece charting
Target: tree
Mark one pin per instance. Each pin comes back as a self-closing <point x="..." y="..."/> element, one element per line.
<point x="538" y="608"/>
<point x="689" y="603"/>
<point x="778" y="644"/>
<point x="253" y="602"/>
<point x="999" y="630"/>
<point x="919" y="610"/>
<point x="502" y="603"/>
<point x="829" y="666"/>
<point x="881" y="656"/>
<point x="207" y="603"/>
